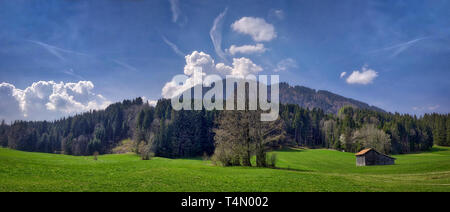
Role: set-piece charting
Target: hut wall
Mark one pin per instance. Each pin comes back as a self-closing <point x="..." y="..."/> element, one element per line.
<point x="360" y="160"/>
<point x="371" y="158"/>
<point x="383" y="160"/>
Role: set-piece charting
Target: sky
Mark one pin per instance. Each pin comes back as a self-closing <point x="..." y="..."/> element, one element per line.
<point x="61" y="57"/>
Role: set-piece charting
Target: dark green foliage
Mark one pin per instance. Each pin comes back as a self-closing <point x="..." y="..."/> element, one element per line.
<point x="448" y="132"/>
<point x="3" y="135"/>
<point x="82" y="134"/>
<point x="441" y="128"/>
<point x="187" y="134"/>
<point x="173" y="134"/>
<point x="313" y="128"/>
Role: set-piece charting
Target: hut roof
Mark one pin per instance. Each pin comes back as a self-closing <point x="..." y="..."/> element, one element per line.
<point x="365" y="151"/>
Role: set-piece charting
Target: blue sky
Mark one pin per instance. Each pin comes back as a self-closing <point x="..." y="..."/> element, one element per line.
<point x="401" y="49"/>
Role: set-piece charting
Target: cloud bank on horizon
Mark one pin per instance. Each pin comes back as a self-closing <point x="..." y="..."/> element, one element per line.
<point x="48" y="100"/>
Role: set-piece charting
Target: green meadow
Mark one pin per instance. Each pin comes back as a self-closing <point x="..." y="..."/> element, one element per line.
<point x="297" y="171"/>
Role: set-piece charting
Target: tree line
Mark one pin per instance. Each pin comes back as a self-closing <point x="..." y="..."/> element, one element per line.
<point x="354" y="129"/>
<point x="233" y="137"/>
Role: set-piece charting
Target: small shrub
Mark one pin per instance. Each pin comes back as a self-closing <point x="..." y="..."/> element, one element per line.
<point x="146" y="154"/>
<point x="222" y="158"/>
<point x="141" y="147"/>
<point x="272" y="160"/>
<point x="96" y="155"/>
<point x="205" y="157"/>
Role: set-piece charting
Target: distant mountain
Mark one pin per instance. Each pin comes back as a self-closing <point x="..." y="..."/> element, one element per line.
<point x="310" y="98"/>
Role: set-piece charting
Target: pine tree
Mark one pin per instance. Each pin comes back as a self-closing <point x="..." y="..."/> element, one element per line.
<point x="3" y="136"/>
<point x="147" y="120"/>
<point x="140" y="119"/>
<point x="440" y="133"/>
<point x="448" y="131"/>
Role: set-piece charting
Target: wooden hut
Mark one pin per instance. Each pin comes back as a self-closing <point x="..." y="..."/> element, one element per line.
<point x="370" y="157"/>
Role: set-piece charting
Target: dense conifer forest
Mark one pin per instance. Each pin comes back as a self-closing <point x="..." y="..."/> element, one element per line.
<point x="175" y="134"/>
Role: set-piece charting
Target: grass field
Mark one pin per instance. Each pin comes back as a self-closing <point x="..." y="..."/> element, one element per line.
<point x="299" y="170"/>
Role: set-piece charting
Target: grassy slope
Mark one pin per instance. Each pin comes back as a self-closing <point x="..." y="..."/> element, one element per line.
<point x="300" y="170"/>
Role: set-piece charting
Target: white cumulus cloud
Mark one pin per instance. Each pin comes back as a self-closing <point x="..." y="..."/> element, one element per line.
<point x="364" y="77"/>
<point x="48" y="100"/>
<point x="198" y="60"/>
<point x="9" y="105"/>
<point x="149" y="101"/>
<point x="343" y="74"/>
<point x="247" y="49"/>
<point x="257" y="28"/>
<point x="243" y="67"/>
<point x="152" y="102"/>
<point x="201" y="61"/>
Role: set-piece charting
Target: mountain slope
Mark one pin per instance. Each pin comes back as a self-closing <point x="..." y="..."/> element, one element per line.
<point x="308" y="98"/>
<point x="325" y="100"/>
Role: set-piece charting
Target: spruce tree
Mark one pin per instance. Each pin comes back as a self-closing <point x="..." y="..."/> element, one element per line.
<point x="448" y="131"/>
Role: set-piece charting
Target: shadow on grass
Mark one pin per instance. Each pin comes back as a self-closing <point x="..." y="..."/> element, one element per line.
<point x="434" y="149"/>
<point x="290" y="169"/>
<point x="289" y="149"/>
<point x="438" y="149"/>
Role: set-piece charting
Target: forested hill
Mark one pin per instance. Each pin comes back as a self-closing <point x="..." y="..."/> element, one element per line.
<point x="316" y="119"/>
<point x="325" y="100"/>
<point x="173" y="134"/>
<point x="310" y="98"/>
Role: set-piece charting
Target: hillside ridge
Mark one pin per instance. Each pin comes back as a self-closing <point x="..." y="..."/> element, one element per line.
<point x="310" y="98"/>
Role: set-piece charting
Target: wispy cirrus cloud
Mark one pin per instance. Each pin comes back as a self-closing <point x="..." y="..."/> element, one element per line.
<point x="56" y="51"/>
<point x="285" y="65"/>
<point x="175" y="8"/>
<point x="276" y="14"/>
<point x="65" y="56"/>
<point x="430" y="108"/>
<point x="62" y="54"/>
<point x="400" y="47"/>
<point x="216" y="34"/>
<point x="177" y="15"/>
<point x="434" y="107"/>
<point x="71" y="72"/>
<point x="125" y="65"/>
<point x="173" y="46"/>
